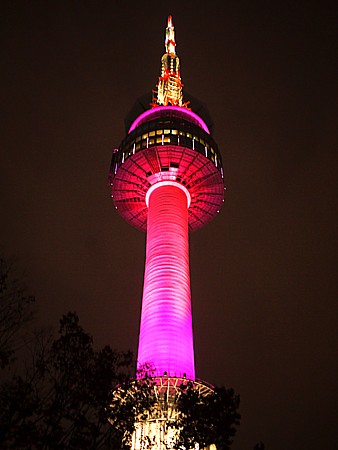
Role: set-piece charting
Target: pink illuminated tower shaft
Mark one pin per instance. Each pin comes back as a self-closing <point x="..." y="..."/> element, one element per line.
<point x="166" y="336"/>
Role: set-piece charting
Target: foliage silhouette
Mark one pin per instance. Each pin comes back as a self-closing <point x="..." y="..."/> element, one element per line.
<point x="207" y="419"/>
<point x="15" y="312"/>
<point x="61" y="401"/>
<point x="131" y="402"/>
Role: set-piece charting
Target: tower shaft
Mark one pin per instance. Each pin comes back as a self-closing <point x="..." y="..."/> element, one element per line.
<point x="166" y="336"/>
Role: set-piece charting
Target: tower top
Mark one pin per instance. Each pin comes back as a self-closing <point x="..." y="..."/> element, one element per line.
<point x="169" y="87"/>
<point x="167" y="142"/>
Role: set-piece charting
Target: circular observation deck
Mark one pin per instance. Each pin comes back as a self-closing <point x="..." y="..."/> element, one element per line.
<point x="167" y="143"/>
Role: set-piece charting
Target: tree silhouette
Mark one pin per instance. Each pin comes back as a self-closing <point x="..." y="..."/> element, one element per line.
<point x="207" y="419"/>
<point x="61" y="401"/>
<point x="15" y="312"/>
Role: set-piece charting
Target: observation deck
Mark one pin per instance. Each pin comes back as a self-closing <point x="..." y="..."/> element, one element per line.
<point x="167" y="143"/>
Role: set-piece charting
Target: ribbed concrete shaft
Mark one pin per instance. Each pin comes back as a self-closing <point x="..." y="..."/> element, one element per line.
<point x="166" y="336"/>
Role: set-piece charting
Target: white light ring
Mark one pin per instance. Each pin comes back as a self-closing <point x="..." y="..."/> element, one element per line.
<point x="167" y="183"/>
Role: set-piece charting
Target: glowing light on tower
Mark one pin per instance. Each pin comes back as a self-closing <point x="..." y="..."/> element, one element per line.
<point x="167" y="179"/>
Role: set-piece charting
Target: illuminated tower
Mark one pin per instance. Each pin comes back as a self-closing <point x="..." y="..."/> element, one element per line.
<point x="167" y="179"/>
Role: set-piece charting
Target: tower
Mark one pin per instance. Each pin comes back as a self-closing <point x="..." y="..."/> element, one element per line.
<point x="167" y="179"/>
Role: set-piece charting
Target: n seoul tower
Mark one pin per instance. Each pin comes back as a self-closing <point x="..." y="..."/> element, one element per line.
<point x="167" y="179"/>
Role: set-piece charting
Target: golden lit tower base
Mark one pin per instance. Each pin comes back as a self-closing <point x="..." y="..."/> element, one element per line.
<point x="156" y="429"/>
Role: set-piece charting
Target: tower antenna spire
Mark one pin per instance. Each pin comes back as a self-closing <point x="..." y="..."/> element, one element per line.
<point x="170" y="43"/>
<point x="169" y="87"/>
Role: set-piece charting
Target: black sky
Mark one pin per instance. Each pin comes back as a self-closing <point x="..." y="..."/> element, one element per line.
<point x="264" y="271"/>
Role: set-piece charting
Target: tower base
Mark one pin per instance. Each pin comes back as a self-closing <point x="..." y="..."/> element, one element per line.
<point x="157" y="430"/>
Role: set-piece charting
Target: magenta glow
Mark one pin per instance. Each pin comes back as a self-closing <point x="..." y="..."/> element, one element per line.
<point x="166" y="336"/>
<point x="181" y="109"/>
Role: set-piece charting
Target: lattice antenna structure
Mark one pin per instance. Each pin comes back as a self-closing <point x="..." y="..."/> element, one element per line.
<point x="169" y="87"/>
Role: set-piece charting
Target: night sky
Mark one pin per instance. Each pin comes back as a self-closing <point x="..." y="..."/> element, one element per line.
<point x="263" y="273"/>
